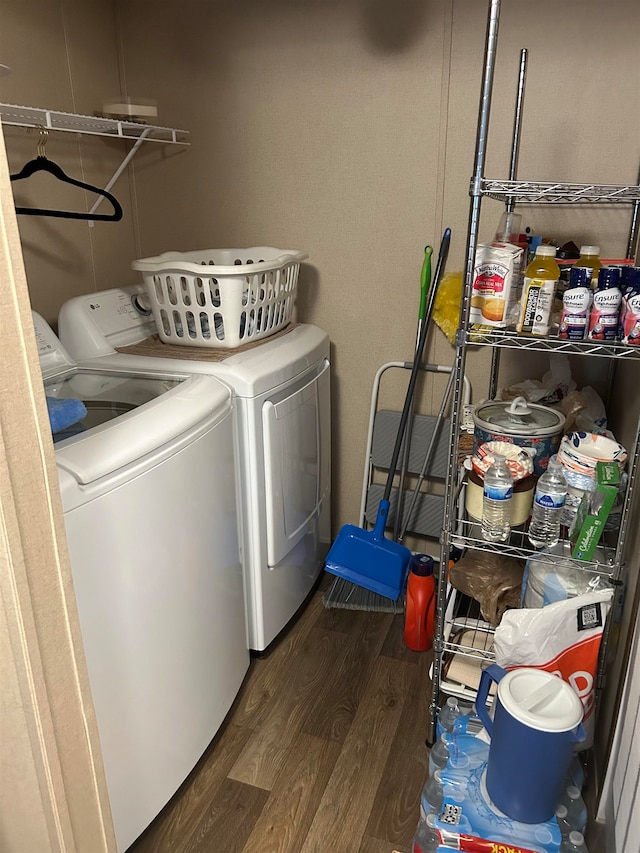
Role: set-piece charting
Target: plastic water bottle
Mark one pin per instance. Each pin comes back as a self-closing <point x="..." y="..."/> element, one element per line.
<point x="449" y="713"/>
<point x="576" y="773"/>
<point x="548" y="503"/>
<point x="562" y="821"/>
<point x="432" y="796"/>
<point x="576" y="808"/>
<point x="496" y="501"/>
<point x="574" y="843"/>
<point x="426" y="839"/>
<point x="439" y="754"/>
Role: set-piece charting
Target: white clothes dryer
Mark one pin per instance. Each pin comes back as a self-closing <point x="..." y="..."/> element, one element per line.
<point x="148" y="492"/>
<point x="282" y="395"/>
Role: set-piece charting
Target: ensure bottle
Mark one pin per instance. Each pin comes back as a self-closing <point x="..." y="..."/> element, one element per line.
<point x="603" y="321"/>
<point x="576" y="306"/>
<point x="629" y="326"/>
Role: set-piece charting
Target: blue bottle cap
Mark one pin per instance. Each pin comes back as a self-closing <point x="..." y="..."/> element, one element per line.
<point x="608" y="277"/>
<point x="422" y="565"/>
<point x="578" y="277"/>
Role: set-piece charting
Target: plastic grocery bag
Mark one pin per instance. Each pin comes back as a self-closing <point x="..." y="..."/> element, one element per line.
<point x="562" y="638"/>
<point x="494" y="580"/>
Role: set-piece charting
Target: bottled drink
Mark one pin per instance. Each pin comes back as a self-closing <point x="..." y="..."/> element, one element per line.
<point x="590" y="260"/>
<point x="439" y="754"/>
<point x="576" y="773"/>
<point x="576" y="304"/>
<point x="563" y="823"/>
<point x="540" y="281"/>
<point x="574" y="843"/>
<point x="576" y="808"/>
<point x="449" y="713"/>
<point x="548" y="502"/>
<point x="603" y="321"/>
<point x="509" y="230"/>
<point x="496" y="501"/>
<point x="426" y="839"/>
<point x="432" y="796"/>
<point x="629" y="317"/>
<point x="421" y="604"/>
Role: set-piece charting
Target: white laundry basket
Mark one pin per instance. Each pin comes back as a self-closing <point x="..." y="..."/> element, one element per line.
<point x="221" y="298"/>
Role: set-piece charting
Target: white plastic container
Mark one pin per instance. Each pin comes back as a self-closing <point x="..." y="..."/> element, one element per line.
<point x="551" y="576"/>
<point x="221" y="298"/>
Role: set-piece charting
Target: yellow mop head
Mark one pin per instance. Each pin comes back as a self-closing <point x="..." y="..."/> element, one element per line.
<point x="446" y="308"/>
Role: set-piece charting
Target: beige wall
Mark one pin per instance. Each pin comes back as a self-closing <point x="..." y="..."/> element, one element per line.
<point x="63" y="55"/>
<point x="347" y="129"/>
<point x="342" y="128"/>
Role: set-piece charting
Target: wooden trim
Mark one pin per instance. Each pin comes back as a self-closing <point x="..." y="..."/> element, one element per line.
<point x="51" y="759"/>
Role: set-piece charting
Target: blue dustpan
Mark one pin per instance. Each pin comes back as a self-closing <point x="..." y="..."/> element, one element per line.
<point x="369" y="560"/>
<point x="365" y="557"/>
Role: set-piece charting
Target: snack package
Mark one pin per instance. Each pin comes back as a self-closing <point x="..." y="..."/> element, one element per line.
<point x="562" y="638"/>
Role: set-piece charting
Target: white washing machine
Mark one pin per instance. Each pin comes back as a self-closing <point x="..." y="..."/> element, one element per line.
<point x="282" y="395"/>
<point x="148" y="491"/>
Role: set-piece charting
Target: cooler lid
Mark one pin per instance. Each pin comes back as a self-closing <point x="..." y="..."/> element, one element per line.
<point x="540" y="700"/>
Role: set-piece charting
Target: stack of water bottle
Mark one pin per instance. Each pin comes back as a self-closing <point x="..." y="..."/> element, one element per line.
<point x="457" y="814"/>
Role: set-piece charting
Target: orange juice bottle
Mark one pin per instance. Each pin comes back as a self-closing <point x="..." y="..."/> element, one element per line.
<point x="590" y="260"/>
<point x="538" y="290"/>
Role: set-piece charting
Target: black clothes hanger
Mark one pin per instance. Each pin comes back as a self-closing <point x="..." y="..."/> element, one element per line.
<point x="42" y="164"/>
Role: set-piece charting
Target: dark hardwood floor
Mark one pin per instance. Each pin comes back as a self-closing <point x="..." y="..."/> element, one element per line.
<point x="323" y="751"/>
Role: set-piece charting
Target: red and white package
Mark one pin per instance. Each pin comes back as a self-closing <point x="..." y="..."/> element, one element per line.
<point x="562" y="638"/>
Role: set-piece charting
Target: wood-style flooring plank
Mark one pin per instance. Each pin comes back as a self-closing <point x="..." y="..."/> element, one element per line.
<point x="332" y="714"/>
<point x="175" y="824"/>
<point x="374" y="845"/>
<point x="290" y="809"/>
<point x="229" y="820"/>
<point x="342" y="815"/>
<point x="266" y="750"/>
<point x="394" y="646"/>
<point x="269" y="672"/>
<point x="396" y="808"/>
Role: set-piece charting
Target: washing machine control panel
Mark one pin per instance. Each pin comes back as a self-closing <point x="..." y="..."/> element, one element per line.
<point x="96" y="324"/>
<point x="115" y="310"/>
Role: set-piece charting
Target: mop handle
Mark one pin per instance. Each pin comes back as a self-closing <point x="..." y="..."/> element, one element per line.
<point x="442" y="258"/>
<point x="425" y="281"/>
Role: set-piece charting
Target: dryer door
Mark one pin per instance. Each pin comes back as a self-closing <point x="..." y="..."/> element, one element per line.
<point x="297" y="461"/>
